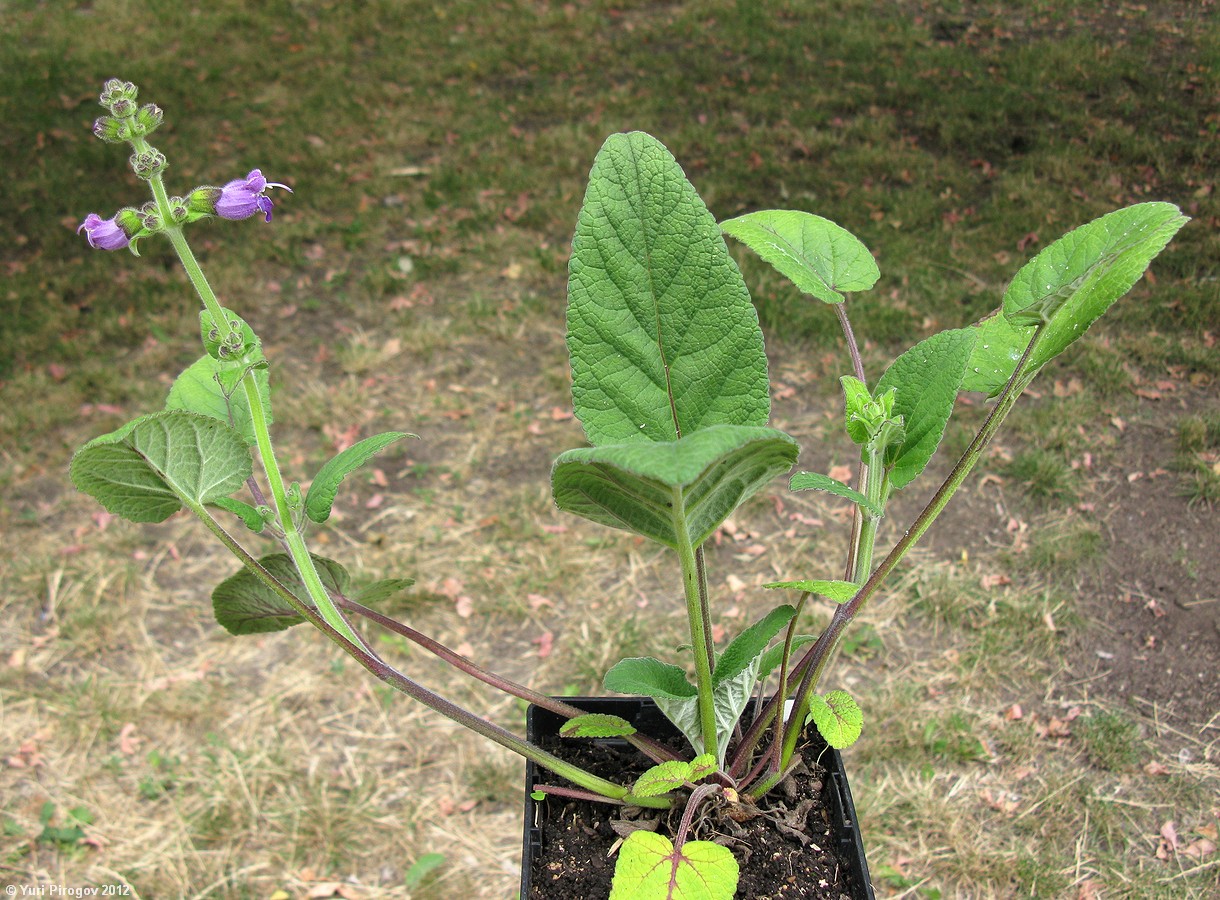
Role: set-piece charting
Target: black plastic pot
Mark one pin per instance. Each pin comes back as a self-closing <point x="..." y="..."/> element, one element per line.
<point x="642" y="712"/>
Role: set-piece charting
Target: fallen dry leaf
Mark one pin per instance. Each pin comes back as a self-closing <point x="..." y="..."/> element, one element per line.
<point x="1168" y="844"/>
<point x="546" y="643"/>
<point x="129" y="743"/>
<point x="841" y="473"/>
<point x="537" y="601"/>
<point x="1199" y="849"/>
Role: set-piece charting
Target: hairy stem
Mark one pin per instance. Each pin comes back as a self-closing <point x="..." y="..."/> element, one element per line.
<point x="697" y="617"/>
<point x="653" y="749"/>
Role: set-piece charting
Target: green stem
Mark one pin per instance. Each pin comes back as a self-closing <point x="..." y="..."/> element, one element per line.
<point x="195" y="273"/>
<point x="293" y="539"/>
<point x="697" y="615"/>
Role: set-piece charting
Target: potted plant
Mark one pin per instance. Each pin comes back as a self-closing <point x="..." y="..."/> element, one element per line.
<point x="670" y="381"/>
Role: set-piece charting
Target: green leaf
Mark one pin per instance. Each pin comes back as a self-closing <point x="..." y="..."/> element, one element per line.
<point x="203" y="387"/>
<point x="837" y="717"/>
<point x="838" y="591"/>
<point x="654" y="489"/>
<point x="998" y="347"/>
<point x="596" y="725"/>
<point x="662" y="336"/>
<point x="379" y="591"/>
<point x="650" y="677"/>
<point x="773" y="657"/>
<point x="926" y="379"/>
<point x="422" y="868"/>
<point x="748" y="646"/>
<point x="649" y="867"/>
<point x="244" y="605"/>
<point x="147" y="469"/>
<point x="321" y="496"/>
<point x="1073" y="281"/>
<point x="818" y="256"/>
<point x="662" y="778"/>
<point x="805" y="481"/>
<point x="249" y="515"/>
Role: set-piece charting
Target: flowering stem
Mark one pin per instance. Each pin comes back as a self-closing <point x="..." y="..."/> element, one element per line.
<point x="293" y="539"/>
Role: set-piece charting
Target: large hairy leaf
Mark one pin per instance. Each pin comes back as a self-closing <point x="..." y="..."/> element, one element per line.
<point x="1067" y="287"/>
<point x="665" y="490"/>
<point x="146" y="470"/>
<point x="662" y="336"/>
<point x="925" y="379"/>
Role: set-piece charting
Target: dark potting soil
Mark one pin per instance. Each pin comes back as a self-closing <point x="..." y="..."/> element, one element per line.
<point x="785" y="846"/>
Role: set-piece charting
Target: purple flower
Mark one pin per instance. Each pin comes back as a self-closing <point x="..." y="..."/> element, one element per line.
<point x="244" y="197"/>
<point x="103" y="234"/>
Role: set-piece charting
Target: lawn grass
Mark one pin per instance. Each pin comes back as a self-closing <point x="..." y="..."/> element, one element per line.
<point x="414" y="280"/>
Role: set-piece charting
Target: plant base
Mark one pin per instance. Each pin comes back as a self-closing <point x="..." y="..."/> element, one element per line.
<point x="804" y="846"/>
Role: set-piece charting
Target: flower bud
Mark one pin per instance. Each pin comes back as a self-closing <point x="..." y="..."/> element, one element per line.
<point x="117" y="91"/>
<point x="178" y="210"/>
<point x="202" y="200"/>
<point x="111" y="130"/>
<point x="148" y="118"/>
<point x="148" y="163"/>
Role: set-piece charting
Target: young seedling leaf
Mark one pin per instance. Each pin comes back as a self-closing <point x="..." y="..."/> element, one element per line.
<point x="243" y="604"/>
<point x="818" y="256"/>
<point x="649" y="866"/>
<point x="837" y="718"/>
<point x="662" y="778"/>
<point x="147" y="469"/>
<point x="321" y="496"/>
<point x="702" y="766"/>
<point x="596" y="725"/>
<point x="650" y="677"/>
<point x="748" y="646"/>
<point x="1073" y="281"/>
<point x="812" y="481"/>
<point x="654" y="489"/>
<point x="249" y="515"/>
<point x="662" y="336"/>
<point x="199" y="389"/>
<point x="926" y="379"/>
<point x="838" y="591"/>
<point x="380" y="591"/>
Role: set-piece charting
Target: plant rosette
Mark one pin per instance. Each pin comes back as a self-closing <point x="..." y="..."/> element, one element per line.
<point x="670" y="382"/>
